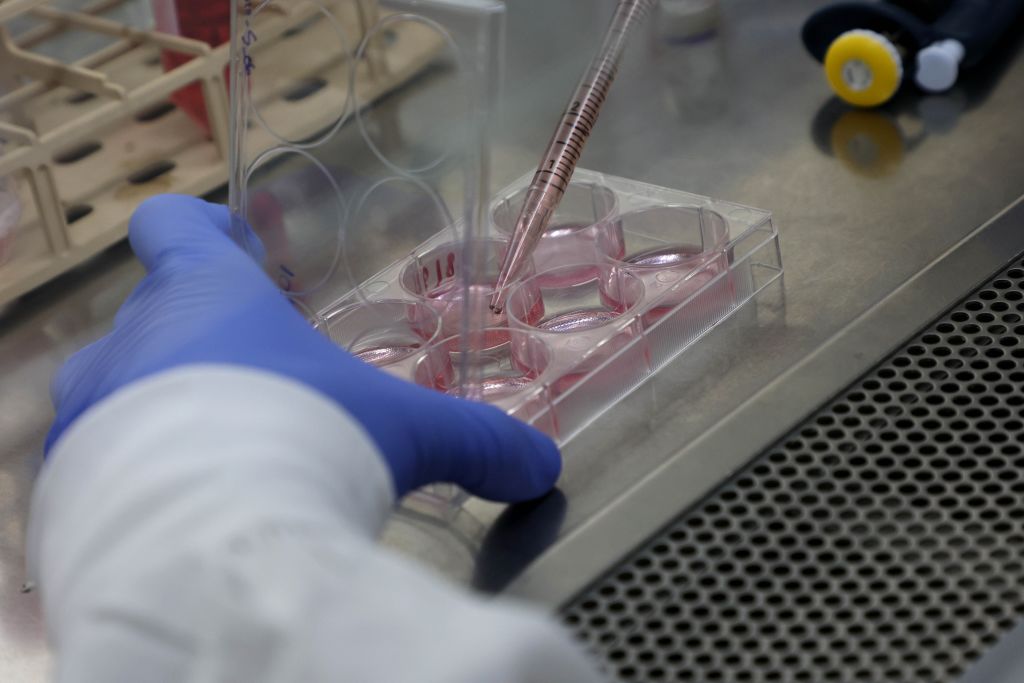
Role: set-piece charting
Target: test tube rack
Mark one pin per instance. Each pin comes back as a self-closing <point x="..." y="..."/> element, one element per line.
<point x="82" y="143"/>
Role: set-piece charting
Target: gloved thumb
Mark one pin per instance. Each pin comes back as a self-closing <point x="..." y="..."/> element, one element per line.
<point x="439" y="438"/>
<point x="490" y="454"/>
<point x="167" y="225"/>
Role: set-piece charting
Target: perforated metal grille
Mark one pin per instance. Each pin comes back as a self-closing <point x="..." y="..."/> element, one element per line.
<point x="881" y="540"/>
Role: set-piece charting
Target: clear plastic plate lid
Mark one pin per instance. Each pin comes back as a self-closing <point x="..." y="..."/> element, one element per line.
<point x="331" y="178"/>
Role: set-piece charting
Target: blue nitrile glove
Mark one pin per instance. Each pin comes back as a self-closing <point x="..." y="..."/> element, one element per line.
<point x="206" y="301"/>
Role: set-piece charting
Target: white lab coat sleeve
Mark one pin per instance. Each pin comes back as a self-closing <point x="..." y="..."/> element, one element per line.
<point x="217" y="524"/>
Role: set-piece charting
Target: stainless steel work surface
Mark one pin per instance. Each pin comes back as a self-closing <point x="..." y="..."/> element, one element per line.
<point x="877" y="539"/>
<point x="863" y="200"/>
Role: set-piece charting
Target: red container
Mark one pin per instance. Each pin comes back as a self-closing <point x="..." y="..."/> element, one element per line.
<point x="205" y="20"/>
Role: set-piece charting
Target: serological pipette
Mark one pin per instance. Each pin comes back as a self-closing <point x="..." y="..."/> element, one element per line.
<point x="563" y="152"/>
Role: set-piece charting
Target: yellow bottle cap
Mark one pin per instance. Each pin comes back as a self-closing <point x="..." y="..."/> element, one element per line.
<point x="863" y="68"/>
<point x="869" y="143"/>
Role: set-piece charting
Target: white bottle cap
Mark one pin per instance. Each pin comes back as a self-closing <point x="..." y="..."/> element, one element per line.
<point x="938" y="65"/>
<point x="682" y="19"/>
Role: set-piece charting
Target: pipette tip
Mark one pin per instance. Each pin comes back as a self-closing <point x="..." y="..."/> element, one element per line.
<point x="496" y="304"/>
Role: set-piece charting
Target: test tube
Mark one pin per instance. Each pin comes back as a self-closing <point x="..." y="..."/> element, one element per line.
<point x="435" y="278"/>
<point x="584" y="229"/>
<point x="676" y="250"/>
<point x="586" y="322"/>
<point x="383" y="333"/>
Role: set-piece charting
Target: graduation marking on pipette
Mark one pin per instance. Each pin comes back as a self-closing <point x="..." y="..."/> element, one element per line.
<point x="563" y="152"/>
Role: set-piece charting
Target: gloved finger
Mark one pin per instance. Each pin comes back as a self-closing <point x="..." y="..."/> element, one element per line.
<point x="168" y="224"/>
<point x="67" y="387"/>
<point x="243" y="232"/>
<point x="138" y="302"/>
<point x="490" y="454"/>
<point x="270" y="217"/>
<point x="56" y="429"/>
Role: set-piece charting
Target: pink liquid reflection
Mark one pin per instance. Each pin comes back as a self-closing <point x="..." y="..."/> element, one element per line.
<point x="587" y="322"/>
<point x="584" y="245"/>
<point x="449" y="301"/>
<point x="386" y="354"/>
<point x="677" y="273"/>
<point x="502" y="363"/>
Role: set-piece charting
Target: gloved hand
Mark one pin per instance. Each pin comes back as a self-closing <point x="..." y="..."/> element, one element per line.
<point x="205" y="301"/>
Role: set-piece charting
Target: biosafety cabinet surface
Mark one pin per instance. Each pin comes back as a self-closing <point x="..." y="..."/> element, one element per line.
<point x="886" y="223"/>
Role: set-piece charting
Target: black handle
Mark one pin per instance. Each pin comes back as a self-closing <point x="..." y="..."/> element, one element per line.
<point x="925" y="10"/>
<point x="828" y="23"/>
<point x="978" y="24"/>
